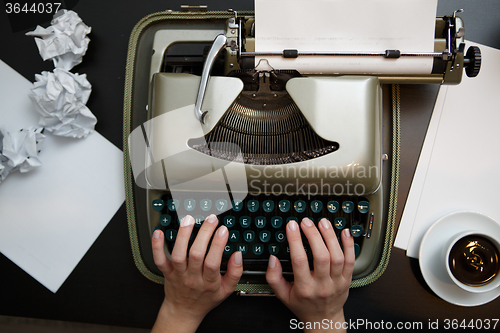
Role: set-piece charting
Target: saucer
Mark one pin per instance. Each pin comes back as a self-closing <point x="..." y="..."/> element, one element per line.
<point x="432" y="262"/>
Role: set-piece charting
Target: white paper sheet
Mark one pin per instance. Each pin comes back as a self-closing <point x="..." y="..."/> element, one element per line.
<point x="349" y="26"/>
<point x="51" y="216"/>
<point x="410" y="209"/>
<point x="460" y="161"/>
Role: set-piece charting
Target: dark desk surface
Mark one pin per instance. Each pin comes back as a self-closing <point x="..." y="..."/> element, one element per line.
<point x="107" y="288"/>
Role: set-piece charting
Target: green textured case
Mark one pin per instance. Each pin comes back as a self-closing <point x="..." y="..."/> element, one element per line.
<point x="136" y="96"/>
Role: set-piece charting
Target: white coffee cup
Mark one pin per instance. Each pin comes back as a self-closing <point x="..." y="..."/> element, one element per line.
<point x="472" y="261"/>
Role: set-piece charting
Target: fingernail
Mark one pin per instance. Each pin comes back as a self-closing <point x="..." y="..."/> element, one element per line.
<point x="222" y="231"/>
<point x="156" y="234"/>
<point x="272" y="262"/>
<point x="347" y="232"/>
<point x="238" y="258"/>
<point x="187" y="221"/>
<point x="325" y="224"/>
<point x="211" y="218"/>
<point x="307" y="222"/>
<point x="292" y="225"/>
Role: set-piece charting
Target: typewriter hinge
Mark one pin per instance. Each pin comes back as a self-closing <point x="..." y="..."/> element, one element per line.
<point x="194" y="9"/>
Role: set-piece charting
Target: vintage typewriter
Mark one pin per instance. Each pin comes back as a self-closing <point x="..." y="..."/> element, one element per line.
<point x="209" y="131"/>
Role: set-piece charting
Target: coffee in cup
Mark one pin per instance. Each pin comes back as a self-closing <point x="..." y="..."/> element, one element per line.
<point x="473" y="261"/>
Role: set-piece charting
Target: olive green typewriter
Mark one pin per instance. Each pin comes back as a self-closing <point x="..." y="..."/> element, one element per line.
<point x="208" y="129"/>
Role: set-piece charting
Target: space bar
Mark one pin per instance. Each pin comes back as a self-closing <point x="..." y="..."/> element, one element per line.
<point x="261" y="264"/>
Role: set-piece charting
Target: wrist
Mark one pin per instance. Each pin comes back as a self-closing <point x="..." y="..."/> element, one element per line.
<point x="333" y="323"/>
<point x="174" y="319"/>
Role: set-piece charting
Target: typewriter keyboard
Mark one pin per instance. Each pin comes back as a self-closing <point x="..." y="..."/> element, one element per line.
<point x="257" y="224"/>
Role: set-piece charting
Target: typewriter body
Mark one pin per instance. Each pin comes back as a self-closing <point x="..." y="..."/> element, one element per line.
<point x="259" y="146"/>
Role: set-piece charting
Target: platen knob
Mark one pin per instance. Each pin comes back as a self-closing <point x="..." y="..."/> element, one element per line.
<point x="472" y="61"/>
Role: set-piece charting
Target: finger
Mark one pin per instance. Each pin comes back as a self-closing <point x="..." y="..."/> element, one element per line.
<point x="275" y="279"/>
<point x="179" y="253"/>
<point x="349" y="256"/>
<point x="233" y="273"/>
<point x="160" y="259"/>
<point x="199" y="247"/>
<point x="211" y="268"/>
<point x="321" y="256"/>
<point x="332" y="243"/>
<point x="300" y="263"/>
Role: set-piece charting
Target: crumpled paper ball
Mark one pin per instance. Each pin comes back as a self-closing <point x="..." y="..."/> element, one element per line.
<point x="60" y="98"/>
<point x="19" y="150"/>
<point x="65" y="41"/>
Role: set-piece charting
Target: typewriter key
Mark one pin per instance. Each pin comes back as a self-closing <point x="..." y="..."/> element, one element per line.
<point x="253" y="206"/>
<point x="300" y="206"/>
<point x="234" y="235"/>
<point x="268" y="206"/>
<point x="316" y="206"/>
<point x="348" y="207"/>
<point x="205" y="205"/>
<point x="158" y="204"/>
<point x="333" y="206"/>
<point x="189" y="204"/>
<point x="363" y="207"/>
<point x="237" y="205"/>
<point x="172" y="204"/>
<point x="284" y="206"/>
<point x="229" y="221"/>
<point x="276" y="222"/>
<point x="165" y="220"/>
<point x="221" y="205"/>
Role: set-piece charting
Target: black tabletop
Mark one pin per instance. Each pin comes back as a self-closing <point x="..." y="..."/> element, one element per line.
<point x="107" y="288"/>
